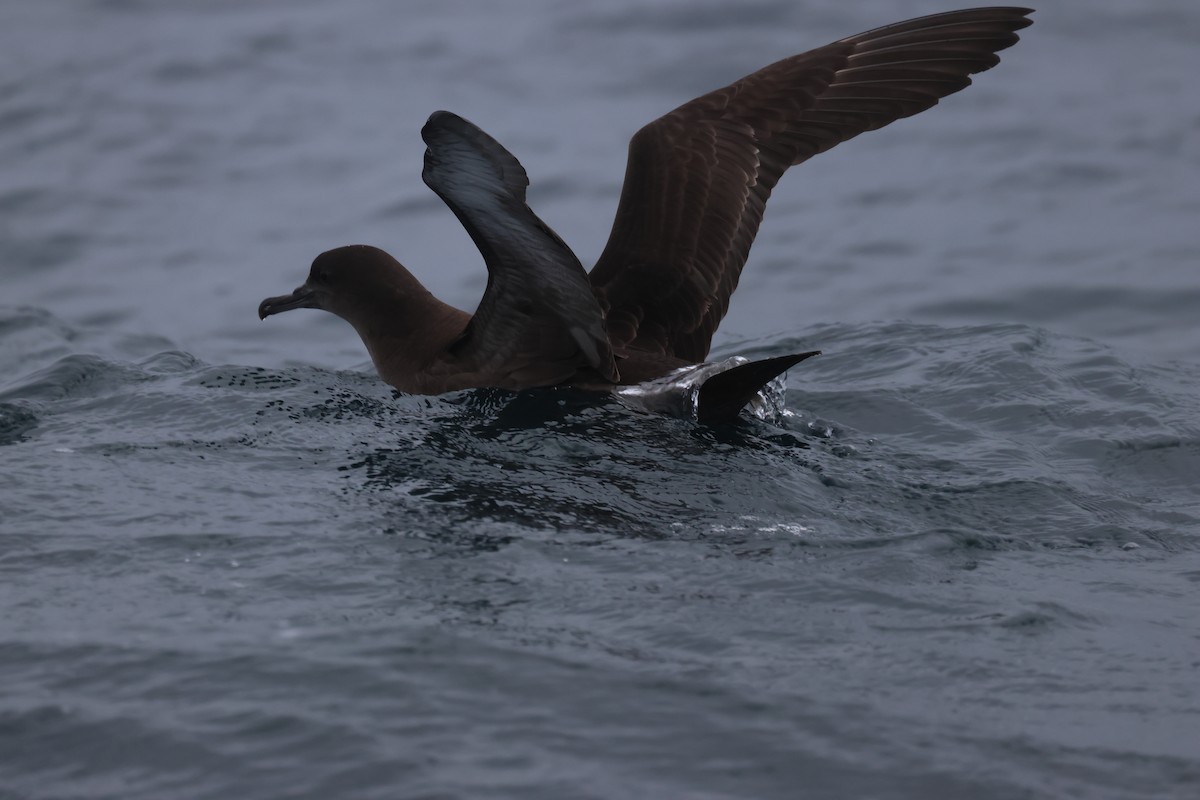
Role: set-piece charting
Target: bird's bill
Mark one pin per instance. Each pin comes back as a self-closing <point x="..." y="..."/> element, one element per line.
<point x="303" y="297"/>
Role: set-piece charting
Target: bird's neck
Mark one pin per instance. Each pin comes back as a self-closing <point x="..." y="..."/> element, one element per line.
<point x="406" y="343"/>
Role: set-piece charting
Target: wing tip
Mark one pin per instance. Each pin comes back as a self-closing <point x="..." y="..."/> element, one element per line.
<point x="723" y="396"/>
<point x="440" y="120"/>
<point x="1010" y="18"/>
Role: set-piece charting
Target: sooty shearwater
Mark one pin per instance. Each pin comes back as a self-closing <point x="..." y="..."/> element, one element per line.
<point x="696" y="183"/>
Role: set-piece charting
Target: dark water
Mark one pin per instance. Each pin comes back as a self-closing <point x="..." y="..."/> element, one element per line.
<point x="235" y="564"/>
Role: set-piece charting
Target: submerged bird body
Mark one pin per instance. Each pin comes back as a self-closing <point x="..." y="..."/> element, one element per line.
<point x="696" y="183"/>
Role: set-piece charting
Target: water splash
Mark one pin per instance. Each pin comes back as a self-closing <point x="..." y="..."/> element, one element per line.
<point x="678" y="393"/>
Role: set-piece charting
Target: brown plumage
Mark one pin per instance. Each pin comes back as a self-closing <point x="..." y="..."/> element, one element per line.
<point x="696" y="183"/>
<point x="698" y="178"/>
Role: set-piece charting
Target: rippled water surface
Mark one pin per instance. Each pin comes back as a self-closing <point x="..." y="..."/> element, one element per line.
<point x="233" y="563"/>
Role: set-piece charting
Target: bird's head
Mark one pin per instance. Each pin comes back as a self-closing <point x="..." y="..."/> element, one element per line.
<point x="351" y="282"/>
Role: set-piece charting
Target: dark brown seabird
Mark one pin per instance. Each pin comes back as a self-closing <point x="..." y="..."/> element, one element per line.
<point x="696" y="183"/>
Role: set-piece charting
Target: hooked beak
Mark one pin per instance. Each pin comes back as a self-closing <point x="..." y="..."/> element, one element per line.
<point x="303" y="297"/>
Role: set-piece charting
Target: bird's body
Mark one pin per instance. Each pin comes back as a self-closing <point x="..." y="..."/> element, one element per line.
<point x="696" y="184"/>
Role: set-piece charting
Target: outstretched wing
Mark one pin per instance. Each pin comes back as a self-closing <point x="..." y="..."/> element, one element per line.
<point x="538" y="321"/>
<point x="699" y="177"/>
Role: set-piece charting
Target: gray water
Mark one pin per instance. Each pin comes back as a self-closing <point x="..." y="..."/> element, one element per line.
<point x="233" y="563"/>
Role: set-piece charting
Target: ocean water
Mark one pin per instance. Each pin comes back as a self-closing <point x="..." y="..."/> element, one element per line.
<point x="964" y="563"/>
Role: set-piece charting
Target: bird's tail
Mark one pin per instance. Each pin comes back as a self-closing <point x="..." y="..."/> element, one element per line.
<point x="722" y="397"/>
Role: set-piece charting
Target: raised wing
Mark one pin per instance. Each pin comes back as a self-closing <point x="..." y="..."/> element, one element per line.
<point x="699" y="177"/>
<point x="538" y="321"/>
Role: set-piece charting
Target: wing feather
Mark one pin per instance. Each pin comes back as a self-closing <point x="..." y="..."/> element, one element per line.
<point x="699" y="177"/>
<point x="539" y="321"/>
